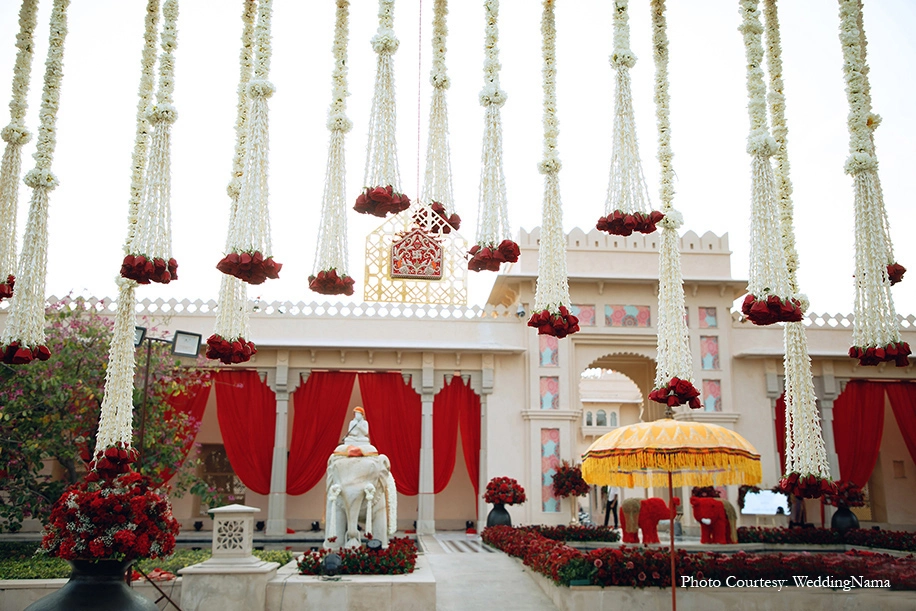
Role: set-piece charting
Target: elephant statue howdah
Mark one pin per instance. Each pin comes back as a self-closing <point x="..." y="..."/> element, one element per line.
<point x="359" y="489"/>
<point x="645" y="514"/>
<point x="718" y="520"/>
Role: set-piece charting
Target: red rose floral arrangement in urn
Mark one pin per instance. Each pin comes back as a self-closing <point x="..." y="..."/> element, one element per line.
<point x="502" y="491"/>
<point x="381" y="201"/>
<point x="846" y="494"/>
<point x="488" y="257"/>
<point x="567" y="481"/>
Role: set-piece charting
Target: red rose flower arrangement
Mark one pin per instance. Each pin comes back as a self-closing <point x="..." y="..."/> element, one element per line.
<point x="704" y="492"/>
<point x="123" y="518"/>
<point x="895" y="273"/>
<point x="6" y="288"/>
<point x="559" y="324"/>
<point x="381" y="201"/>
<point x="400" y="557"/>
<point x="805" y="486"/>
<point x="677" y="392"/>
<point x="329" y="283"/>
<point x="846" y="494"/>
<point x="489" y="257"/>
<point x="114" y="461"/>
<point x="14" y="354"/>
<point x="897" y="352"/>
<point x="236" y="351"/>
<point x="452" y="221"/>
<point x="251" y="267"/>
<point x="145" y="270"/>
<point x="504" y="490"/>
<point x="623" y="224"/>
<point x="771" y="309"/>
<point x="567" y="481"/>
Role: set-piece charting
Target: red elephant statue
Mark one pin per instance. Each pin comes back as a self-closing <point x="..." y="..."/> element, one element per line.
<point x="718" y="520"/>
<point x="644" y="514"/>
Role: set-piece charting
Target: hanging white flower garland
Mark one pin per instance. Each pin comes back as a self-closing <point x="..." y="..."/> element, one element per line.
<point x="382" y="195"/>
<point x="331" y="277"/>
<point x="23" y="339"/>
<point x="228" y="343"/>
<point x="674" y="384"/>
<point x="16" y="136"/>
<point x="627" y="207"/>
<point x="494" y="237"/>
<point x="551" y="300"/>
<point x="807" y="471"/>
<point x="875" y="333"/>
<point x="249" y="256"/>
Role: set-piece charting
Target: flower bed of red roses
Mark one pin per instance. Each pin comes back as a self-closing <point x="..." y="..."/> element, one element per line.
<point x="677" y="392"/>
<point x="643" y="568"/>
<point x="381" y="201"/>
<point x="895" y="273"/>
<point x="623" y="224"/>
<point x="251" y="267"/>
<point x="236" y="351"/>
<point x="873" y="355"/>
<point x="489" y="257"/>
<point x="329" y="283"/>
<point x="451" y="221"/>
<point x="771" y="309"/>
<point x="90" y="520"/>
<point x="6" y="288"/>
<point x="504" y="490"/>
<point x="845" y="494"/>
<point x="882" y="539"/>
<point x="145" y="270"/>
<point x="574" y="533"/>
<point x="567" y="481"/>
<point x="399" y="558"/>
<point x="807" y="486"/>
<point x="559" y="324"/>
<point x="14" y="354"/>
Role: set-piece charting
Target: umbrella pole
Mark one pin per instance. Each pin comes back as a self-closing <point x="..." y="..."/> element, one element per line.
<point x="671" y="534"/>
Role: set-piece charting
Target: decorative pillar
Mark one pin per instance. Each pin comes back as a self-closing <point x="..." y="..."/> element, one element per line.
<point x="278" y="379"/>
<point x="426" y="512"/>
<point x="827" y="390"/>
<point x="774" y="386"/>
<point x="484" y="391"/>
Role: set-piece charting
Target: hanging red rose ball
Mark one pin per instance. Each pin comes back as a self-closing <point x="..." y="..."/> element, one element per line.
<point x="329" y="283"/>
<point x="771" y="309"/>
<point x="624" y="224"/>
<point x="15" y="354"/>
<point x="677" y="392"/>
<point x="559" y="324"/>
<point x="227" y="352"/>
<point x="895" y="273"/>
<point x="111" y="462"/>
<point x="251" y="267"/>
<point x="449" y="221"/>
<point x="6" y="288"/>
<point x="144" y="269"/>
<point x="489" y="257"/>
<point x="872" y="355"/>
<point x="381" y="201"/>
<point x="808" y="486"/>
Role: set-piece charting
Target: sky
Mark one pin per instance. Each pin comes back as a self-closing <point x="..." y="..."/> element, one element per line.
<point x="88" y="211"/>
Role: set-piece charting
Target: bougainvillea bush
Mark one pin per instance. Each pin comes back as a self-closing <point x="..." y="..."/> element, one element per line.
<point x="398" y="558"/>
<point x="882" y="539"/>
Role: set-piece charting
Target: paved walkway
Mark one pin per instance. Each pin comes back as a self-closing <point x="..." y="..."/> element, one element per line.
<point x="471" y="576"/>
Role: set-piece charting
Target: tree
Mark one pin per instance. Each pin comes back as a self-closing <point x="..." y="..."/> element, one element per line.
<point x="49" y="414"/>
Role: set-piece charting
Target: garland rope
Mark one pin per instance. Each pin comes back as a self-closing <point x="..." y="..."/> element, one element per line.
<point x="494" y="237"/>
<point x="331" y="257"/>
<point x="16" y="136"/>
<point x="24" y="336"/>
<point x="551" y="299"/>
<point x="875" y="334"/>
<point x="674" y="383"/>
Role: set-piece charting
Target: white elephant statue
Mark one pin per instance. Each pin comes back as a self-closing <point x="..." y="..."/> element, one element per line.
<point x="359" y="488"/>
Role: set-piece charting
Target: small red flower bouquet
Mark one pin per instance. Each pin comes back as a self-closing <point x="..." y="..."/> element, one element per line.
<point x="112" y="462"/>
<point x="381" y="201"/>
<point x="771" y="309"/>
<point x="6" y="288"/>
<point x="252" y="267"/>
<point x="677" y="392"/>
<point x="329" y="283"/>
<point x="505" y="491"/>
<point x="895" y="273"/>
<point x="489" y="257"/>
<point x="846" y="494"/>
<point x="805" y="486"/>
<point x="123" y="518"/>
<point x="236" y="351"/>
<point x="15" y="354"/>
<point x="559" y="324"/>
<point x="897" y="352"/>
<point x="567" y="481"/>
<point x="452" y="221"/>
<point x="145" y="270"/>
<point x="623" y="224"/>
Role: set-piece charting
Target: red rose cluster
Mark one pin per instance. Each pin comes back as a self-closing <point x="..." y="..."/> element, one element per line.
<point x="329" y="283"/>
<point x="559" y="325"/>
<point x="236" y="351"/>
<point x="381" y="201"/>
<point x="253" y="267"/>
<point x="145" y="270"/>
<point x="111" y="463"/>
<point x="504" y="490"/>
<point x="895" y="273"/>
<point x="6" y="288"/>
<point x="806" y="486"/>
<point x="490" y="258"/>
<point x="771" y="310"/>
<point x="567" y="481"/>
<point x="452" y="221"/>
<point x="897" y="352"/>
<point x="846" y="494"/>
<point x="677" y="392"/>
<point x="14" y="354"/>
<point x="621" y="223"/>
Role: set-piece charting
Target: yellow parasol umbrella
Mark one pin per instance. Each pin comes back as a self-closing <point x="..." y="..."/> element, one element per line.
<point x="676" y="452"/>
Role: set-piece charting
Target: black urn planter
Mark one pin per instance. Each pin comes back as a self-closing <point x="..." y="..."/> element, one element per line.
<point x="95" y="586"/>
<point x="843" y="519"/>
<point x="499" y="516"/>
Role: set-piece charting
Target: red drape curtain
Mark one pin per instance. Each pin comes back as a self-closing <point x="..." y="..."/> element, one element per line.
<point x="469" y="421"/>
<point x="447" y="408"/>
<point x="903" y="402"/>
<point x="193" y="402"/>
<point x="858" y="423"/>
<point x="781" y="431"/>
<point x="319" y="410"/>
<point x="247" y="413"/>
<point x="394" y="413"/>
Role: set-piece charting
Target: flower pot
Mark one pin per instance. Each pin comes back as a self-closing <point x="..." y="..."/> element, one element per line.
<point x="95" y="586"/>
<point x="499" y="516"/>
<point x="844" y="519"/>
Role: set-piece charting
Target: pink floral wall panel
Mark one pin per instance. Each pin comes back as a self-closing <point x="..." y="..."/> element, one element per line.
<point x="708" y="318"/>
<point x="709" y="352"/>
<point x="550" y="392"/>
<point x="627" y="316"/>
<point x="550" y="460"/>
<point x="712" y="395"/>
<point x="585" y="314"/>
<point x="549" y="349"/>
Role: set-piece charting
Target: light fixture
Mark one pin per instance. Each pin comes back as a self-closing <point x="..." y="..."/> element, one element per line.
<point x="330" y="565"/>
<point x="186" y="344"/>
<point x="520" y="312"/>
<point x="139" y="335"/>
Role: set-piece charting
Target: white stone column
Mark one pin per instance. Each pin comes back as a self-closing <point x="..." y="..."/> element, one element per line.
<point x="426" y="513"/>
<point x="276" y="503"/>
<point x="484" y="391"/>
